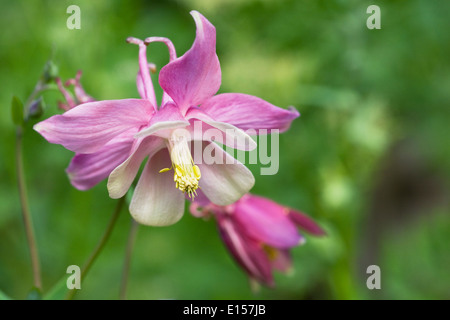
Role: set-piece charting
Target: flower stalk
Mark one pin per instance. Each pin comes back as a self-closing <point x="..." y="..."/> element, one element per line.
<point x="26" y="215"/>
<point x="127" y="261"/>
<point x="100" y="245"/>
<point x="40" y="87"/>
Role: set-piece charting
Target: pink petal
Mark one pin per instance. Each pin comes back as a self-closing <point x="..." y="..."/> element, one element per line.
<point x="86" y="170"/>
<point x="266" y="221"/>
<point x="143" y="79"/>
<point x="147" y="86"/>
<point x="167" y="42"/>
<point x="191" y="79"/>
<point x="70" y="103"/>
<point x="163" y="121"/>
<point x="80" y="94"/>
<point x="226" y="133"/>
<point x="247" y="253"/>
<point x="282" y="261"/>
<point x="156" y="201"/>
<point x="140" y="86"/>
<point x="224" y="183"/>
<point x="88" y="127"/>
<point x="306" y="223"/>
<point x="122" y="177"/>
<point x="248" y="112"/>
<point x="172" y="56"/>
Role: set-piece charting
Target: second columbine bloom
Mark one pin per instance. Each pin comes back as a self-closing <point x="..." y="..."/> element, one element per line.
<point x="259" y="233"/>
<point x="115" y="136"/>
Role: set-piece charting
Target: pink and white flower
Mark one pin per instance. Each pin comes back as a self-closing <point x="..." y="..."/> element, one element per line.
<point x="259" y="233"/>
<point x="113" y="137"/>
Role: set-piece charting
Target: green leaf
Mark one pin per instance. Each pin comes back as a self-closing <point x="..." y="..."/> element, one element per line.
<point x="58" y="291"/>
<point x="3" y="296"/>
<point x="17" y="111"/>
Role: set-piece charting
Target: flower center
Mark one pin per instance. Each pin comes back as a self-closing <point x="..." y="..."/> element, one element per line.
<point x="186" y="173"/>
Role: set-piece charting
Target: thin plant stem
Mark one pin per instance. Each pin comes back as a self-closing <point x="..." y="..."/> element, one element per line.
<point x="28" y="222"/>
<point x="127" y="262"/>
<point x="100" y="245"/>
<point x="26" y="214"/>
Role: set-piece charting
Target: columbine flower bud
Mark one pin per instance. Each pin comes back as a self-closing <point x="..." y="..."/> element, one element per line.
<point x="50" y="72"/>
<point x="36" y="108"/>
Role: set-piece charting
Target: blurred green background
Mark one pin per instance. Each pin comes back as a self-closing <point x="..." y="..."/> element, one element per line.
<point x="368" y="158"/>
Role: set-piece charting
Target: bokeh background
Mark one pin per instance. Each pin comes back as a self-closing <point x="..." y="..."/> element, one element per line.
<point x="368" y="158"/>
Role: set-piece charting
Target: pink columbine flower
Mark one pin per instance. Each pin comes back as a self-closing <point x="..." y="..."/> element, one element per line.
<point x="86" y="170"/>
<point x="258" y="233"/>
<point x="115" y="136"/>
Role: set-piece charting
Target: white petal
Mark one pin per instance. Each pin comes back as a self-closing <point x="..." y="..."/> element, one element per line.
<point x="156" y="201"/>
<point x="227" y="182"/>
<point x="167" y="125"/>
<point x="167" y="118"/>
<point x="240" y="139"/>
<point x="234" y="137"/>
<point x="122" y="177"/>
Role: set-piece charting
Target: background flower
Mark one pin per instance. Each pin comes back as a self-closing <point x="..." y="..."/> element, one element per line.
<point x="259" y="233"/>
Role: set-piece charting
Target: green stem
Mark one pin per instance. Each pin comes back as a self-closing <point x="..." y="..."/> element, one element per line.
<point x="26" y="212"/>
<point x="127" y="262"/>
<point x="100" y="245"/>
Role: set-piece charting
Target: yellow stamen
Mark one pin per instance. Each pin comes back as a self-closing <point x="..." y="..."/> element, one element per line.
<point x="186" y="173"/>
